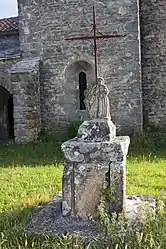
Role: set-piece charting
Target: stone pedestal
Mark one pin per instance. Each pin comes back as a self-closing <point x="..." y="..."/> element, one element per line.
<point x="95" y="165"/>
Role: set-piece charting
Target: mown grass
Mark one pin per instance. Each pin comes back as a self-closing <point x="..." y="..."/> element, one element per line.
<point x="28" y="186"/>
<point x="30" y="175"/>
<point x="146" y="175"/>
<point x="146" y="165"/>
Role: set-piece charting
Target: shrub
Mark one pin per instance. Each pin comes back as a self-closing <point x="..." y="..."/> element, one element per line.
<point x="73" y="128"/>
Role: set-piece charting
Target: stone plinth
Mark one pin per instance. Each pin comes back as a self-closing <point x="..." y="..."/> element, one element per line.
<point x="96" y="130"/>
<point x="95" y="161"/>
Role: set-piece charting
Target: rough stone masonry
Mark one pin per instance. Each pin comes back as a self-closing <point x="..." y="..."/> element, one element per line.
<point x="137" y="84"/>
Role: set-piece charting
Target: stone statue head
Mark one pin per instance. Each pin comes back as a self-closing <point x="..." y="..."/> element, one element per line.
<point x="100" y="80"/>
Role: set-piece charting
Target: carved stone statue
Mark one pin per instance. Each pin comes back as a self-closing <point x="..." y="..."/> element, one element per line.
<point x="96" y="100"/>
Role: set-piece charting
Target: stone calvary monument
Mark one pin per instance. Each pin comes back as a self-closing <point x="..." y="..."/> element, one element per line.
<point x="95" y="167"/>
<point x="95" y="160"/>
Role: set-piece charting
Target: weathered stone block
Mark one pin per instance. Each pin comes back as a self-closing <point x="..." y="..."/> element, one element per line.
<point x="93" y="165"/>
<point x="97" y="131"/>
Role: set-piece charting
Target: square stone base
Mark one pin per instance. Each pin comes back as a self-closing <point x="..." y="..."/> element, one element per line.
<point x="91" y="169"/>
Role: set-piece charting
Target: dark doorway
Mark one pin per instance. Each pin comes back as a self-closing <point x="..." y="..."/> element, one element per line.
<point x="82" y="88"/>
<point x="6" y="115"/>
<point x="10" y="117"/>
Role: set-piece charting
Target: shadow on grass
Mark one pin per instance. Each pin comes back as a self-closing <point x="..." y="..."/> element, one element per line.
<point x="13" y="233"/>
<point x="148" y="145"/>
<point x="147" y="154"/>
<point x="35" y="154"/>
<point x="49" y="152"/>
<point x="12" y="229"/>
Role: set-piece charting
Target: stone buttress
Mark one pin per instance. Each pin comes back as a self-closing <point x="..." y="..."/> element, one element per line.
<point x="26" y="97"/>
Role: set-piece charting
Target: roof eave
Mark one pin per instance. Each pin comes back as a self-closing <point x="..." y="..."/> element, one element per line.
<point x="7" y="33"/>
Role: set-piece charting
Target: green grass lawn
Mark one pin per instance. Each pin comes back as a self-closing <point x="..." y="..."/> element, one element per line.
<point x="146" y="175"/>
<point x="31" y="175"/>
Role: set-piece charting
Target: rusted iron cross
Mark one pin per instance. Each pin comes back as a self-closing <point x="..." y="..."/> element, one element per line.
<point x="95" y="37"/>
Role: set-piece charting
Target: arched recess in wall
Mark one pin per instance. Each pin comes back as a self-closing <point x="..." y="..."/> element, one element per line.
<point x="6" y="114"/>
<point x="82" y="89"/>
<point x="78" y="77"/>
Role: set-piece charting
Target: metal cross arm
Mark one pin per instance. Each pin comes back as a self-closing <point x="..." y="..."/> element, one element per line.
<point x="95" y="37"/>
<point x="92" y="37"/>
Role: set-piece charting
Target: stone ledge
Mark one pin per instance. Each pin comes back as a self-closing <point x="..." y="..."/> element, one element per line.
<point x="9" y="57"/>
<point x="82" y="151"/>
<point x="25" y="65"/>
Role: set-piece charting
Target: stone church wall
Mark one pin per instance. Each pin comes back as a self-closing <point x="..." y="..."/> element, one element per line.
<point x="19" y="87"/>
<point x="43" y="30"/>
<point x="153" y="33"/>
<point x="9" y="54"/>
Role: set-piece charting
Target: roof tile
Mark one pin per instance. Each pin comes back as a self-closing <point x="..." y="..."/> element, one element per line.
<point x="8" y="24"/>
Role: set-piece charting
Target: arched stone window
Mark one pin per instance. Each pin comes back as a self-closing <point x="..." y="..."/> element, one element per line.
<point x="79" y="75"/>
<point x="82" y="88"/>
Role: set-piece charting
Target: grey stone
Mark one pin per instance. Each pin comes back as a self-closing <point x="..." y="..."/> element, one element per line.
<point x="140" y="208"/>
<point x="152" y="16"/>
<point x="96" y="100"/>
<point x="95" y="160"/>
<point x="9" y="47"/>
<point x="49" y="219"/>
<point x="97" y="130"/>
<point x="25" y="66"/>
<point x="27" y="117"/>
